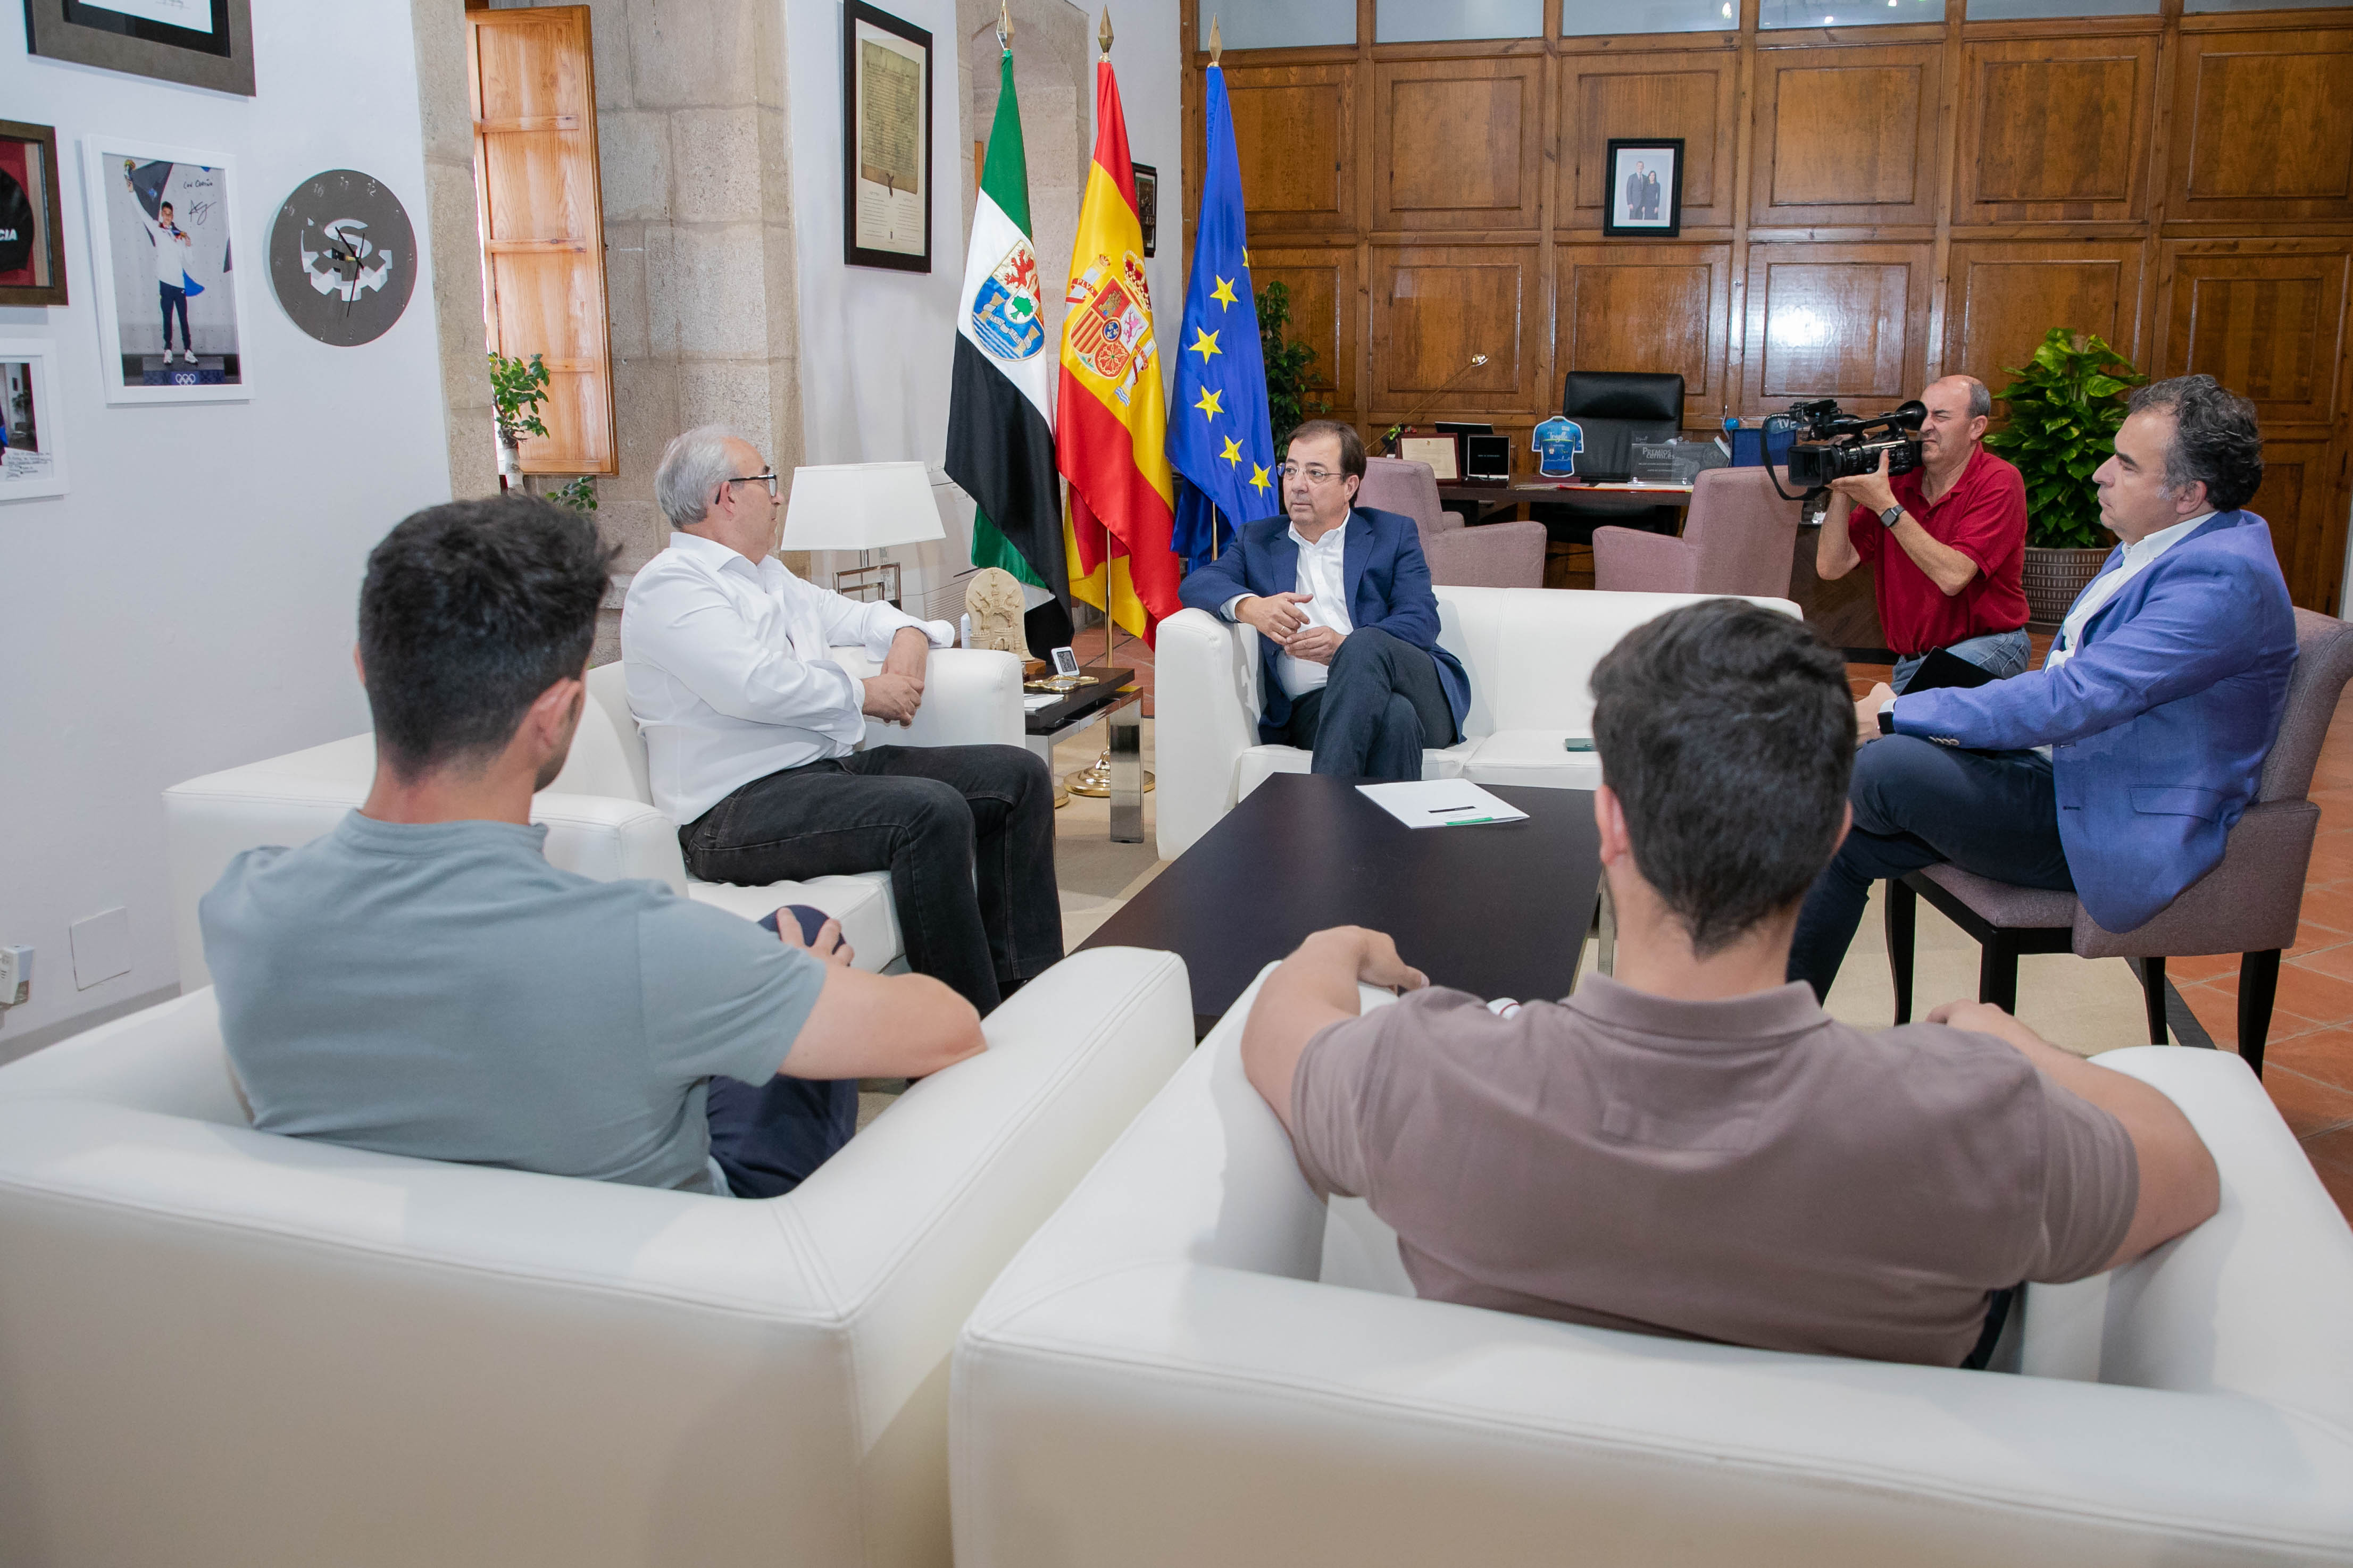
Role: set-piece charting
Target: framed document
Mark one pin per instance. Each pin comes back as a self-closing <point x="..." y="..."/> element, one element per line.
<point x="886" y="141"/>
<point x="198" y="43"/>
<point x="1438" y="451"/>
<point x="31" y="422"/>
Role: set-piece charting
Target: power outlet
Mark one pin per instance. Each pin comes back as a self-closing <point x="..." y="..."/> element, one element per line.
<point x="16" y="976"/>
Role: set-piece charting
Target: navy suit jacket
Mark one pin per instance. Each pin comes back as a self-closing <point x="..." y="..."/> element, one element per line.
<point x="2157" y="725"/>
<point x="1388" y="583"/>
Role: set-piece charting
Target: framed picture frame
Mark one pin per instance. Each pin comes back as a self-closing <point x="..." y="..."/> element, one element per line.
<point x="1442" y="453"/>
<point x="32" y="217"/>
<point x="886" y="141"/>
<point x="156" y="210"/>
<point x="32" y="420"/>
<point x="1147" y="206"/>
<point x="1645" y="188"/>
<point x="197" y="43"/>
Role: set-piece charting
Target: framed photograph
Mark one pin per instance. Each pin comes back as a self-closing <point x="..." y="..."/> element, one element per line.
<point x="1442" y="453"/>
<point x="32" y="432"/>
<point x="886" y="141"/>
<point x="32" y="243"/>
<point x="1646" y="188"/>
<point x="198" y="43"/>
<point x="169" y="282"/>
<point x="1147" y="204"/>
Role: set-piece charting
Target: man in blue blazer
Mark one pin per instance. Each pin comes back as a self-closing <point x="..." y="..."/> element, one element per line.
<point x="1349" y="663"/>
<point x="2117" y="769"/>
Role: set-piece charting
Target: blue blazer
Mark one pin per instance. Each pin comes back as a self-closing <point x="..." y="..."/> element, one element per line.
<point x="1388" y="583"/>
<point x="2160" y="723"/>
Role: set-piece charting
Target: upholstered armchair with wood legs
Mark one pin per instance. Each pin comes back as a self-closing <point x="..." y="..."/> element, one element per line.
<point x="1493" y="555"/>
<point x="1737" y="539"/>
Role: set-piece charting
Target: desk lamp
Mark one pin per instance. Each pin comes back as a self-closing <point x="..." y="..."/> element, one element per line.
<point x="863" y="506"/>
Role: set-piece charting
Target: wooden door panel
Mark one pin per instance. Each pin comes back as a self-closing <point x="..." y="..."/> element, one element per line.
<point x="539" y="189"/>
<point x="2264" y="318"/>
<point x="1457" y="143"/>
<point x="1294" y="135"/>
<point x="1848" y="322"/>
<point x="2301" y="500"/>
<point x="1846" y="135"/>
<point x="1323" y="284"/>
<point x="1433" y="308"/>
<point x="2264" y="126"/>
<point x="2055" y="129"/>
<point x="1653" y="308"/>
<point x="1689" y="94"/>
<point x="2004" y="296"/>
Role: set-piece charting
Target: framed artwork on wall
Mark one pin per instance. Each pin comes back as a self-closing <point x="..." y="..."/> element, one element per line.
<point x="198" y="43"/>
<point x="1646" y="188"/>
<point x="32" y="429"/>
<point x="32" y="240"/>
<point x="1147" y="206"/>
<point x="172" y="310"/>
<point x="886" y="141"/>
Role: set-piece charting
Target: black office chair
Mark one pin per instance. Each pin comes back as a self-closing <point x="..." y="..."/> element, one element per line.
<point x="1612" y="407"/>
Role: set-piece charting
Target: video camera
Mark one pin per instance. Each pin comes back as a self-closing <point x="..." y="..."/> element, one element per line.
<point x="1834" y="445"/>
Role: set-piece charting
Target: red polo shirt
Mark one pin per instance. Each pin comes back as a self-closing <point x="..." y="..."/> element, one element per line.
<point x="1983" y="516"/>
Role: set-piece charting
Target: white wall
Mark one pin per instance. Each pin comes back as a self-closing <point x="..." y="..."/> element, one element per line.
<point x="189" y="605"/>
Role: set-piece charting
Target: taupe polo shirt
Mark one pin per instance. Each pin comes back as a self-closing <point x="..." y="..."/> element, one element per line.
<point x="1746" y="1171"/>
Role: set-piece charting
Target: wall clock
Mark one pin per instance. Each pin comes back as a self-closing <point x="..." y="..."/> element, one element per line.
<point x="342" y="257"/>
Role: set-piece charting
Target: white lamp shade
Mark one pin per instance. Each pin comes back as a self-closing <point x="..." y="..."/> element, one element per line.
<point x="861" y="506"/>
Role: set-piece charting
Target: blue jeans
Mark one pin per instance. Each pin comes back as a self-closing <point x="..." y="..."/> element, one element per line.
<point x="1999" y="654"/>
<point x="170" y="299"/>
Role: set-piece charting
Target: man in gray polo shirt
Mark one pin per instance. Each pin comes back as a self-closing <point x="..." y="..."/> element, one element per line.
<point x="420" y="981"/>
<point x="1694" y="1148"/>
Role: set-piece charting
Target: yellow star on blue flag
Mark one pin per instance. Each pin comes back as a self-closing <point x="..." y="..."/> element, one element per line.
<point x="1204" y="343"/>
<point x="1224" y="292"/>
<point x="1208" y="403"/>
<point x="1233" y="452"/>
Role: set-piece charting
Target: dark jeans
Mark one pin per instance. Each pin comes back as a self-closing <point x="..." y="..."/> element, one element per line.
<point x="1382" y="705"/>
<point x="172" y="299"/>
<point x="769" y="1139"/>
<point x="1918" y="804"/>
<point x="935" y="817"/>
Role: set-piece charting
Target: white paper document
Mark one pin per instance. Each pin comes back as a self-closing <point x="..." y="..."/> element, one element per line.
<point x="1440" y="802"/>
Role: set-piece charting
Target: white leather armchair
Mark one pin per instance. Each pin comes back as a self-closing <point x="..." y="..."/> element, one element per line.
<point x="599" y="812"/>
<point x="1529" y="653"/>
<point x="223" y="1349"/>
<point x="1193" y="1363"/>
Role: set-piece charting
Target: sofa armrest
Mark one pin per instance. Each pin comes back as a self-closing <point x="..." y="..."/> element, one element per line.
<point x="972" y="697"/>
<point x="1206" y="700"/>
<point x="607" y="837"/>
<point x="1633" y="560"/>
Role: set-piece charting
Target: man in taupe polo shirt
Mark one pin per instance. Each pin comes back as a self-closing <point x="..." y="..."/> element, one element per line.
<point x="1694" y="1148"/>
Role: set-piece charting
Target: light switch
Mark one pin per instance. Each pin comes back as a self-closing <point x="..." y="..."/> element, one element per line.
<point x="102" y="947"/>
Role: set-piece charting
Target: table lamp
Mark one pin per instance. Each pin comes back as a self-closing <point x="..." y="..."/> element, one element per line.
<point x="863" y="506"/>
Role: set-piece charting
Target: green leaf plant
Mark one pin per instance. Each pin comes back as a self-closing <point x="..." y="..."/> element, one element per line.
<point x="2064" y="408"/>
<point x="517" y="390"/>
<point x="1288" y="363"/>
<point x="580" y="495"/>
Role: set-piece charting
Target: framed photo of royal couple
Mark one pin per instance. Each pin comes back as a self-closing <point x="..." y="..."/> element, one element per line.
<point x="1645" y="188"/>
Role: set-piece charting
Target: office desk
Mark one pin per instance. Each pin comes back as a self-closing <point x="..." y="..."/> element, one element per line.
<point x="1495" y="499"/>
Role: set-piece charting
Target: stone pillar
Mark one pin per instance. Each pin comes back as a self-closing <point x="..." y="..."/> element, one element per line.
<point x="449" y="228"/>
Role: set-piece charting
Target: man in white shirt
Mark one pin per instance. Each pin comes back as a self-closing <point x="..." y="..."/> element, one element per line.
<point x="173" y="248"/>
<point x="751" y="725"/>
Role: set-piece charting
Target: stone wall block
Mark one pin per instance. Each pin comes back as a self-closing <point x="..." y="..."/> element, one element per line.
<point x="645" y="416"/>
<point x="456" y="248"/>
<point x="716" y="287"/>
<point x="633" y="164"/>
<point x="442" y="97"/>
<point x="777" y="166"/>
<point x="684" y="53"/>
<point x="661" y="291"/>
<point x="625" y="289"/>
<point x="739" y="395"/>
<point x="781" y="291"/>
<point x="717" y="154"/>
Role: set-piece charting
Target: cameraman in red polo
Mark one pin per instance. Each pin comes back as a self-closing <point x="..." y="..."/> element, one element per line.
<point x="1946" y="542"/>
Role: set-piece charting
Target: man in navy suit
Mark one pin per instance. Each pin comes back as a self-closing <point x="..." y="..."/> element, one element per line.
<point x="2117" y="769"/>
<point x="1347" y="626"/>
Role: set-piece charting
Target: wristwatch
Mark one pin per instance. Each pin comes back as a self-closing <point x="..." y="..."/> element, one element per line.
<point x="1887" y="718"/>
<point x="1892" y="516"/>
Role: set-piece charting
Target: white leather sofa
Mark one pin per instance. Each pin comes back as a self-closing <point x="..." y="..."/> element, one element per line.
<point x="1529" y="653"/>
<point x="1193" y="1362"/>
<point x="223" y="1349"/>
<point x="599" y="812"/>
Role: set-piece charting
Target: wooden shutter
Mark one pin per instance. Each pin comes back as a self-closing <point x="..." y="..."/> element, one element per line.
<point x="534" y="99"/>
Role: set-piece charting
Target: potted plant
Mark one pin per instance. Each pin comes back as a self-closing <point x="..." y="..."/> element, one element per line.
<point x="2064" y="408"/>
<point x="517" y="390"/>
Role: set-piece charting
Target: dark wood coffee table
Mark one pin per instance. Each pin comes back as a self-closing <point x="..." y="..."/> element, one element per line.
<point x="1499" y="909"/>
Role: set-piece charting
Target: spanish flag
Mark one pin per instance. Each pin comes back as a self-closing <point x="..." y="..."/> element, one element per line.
<point x="1110" y="440"/>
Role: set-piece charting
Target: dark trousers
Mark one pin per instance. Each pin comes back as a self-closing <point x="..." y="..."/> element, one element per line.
<point x="1371" y="720"/>
<point x="1918" y="804"/>
<point x="938" y="818"/>
<point x="769" y="1139"/>
<point x="172" y="299"/>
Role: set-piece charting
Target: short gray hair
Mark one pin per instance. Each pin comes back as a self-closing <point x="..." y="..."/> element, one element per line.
<point x="692" y="468"/>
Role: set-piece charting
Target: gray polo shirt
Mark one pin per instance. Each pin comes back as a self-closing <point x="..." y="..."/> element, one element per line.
<point x="1749" y="1171"/>
<point x="441" y="991"/>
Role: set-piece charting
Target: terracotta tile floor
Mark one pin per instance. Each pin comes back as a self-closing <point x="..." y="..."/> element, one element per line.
<point x="2309" y="1053"/>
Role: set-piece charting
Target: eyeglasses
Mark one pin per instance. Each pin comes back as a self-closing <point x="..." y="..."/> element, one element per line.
<point x="1313" y="476"/>
<point x="767" y="478"/>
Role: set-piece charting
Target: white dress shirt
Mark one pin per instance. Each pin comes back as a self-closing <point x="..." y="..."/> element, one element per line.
<point x="729" y="670"/>
<point x="1321" y="576"/>
<point x="2137" y="555"/>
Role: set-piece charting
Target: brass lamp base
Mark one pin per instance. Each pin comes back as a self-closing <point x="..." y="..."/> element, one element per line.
<point x="1094" y="782"/>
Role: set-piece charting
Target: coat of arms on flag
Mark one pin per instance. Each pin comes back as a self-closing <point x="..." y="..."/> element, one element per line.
<point x="1005" y="310"/>
<point x="1114" y="333"/>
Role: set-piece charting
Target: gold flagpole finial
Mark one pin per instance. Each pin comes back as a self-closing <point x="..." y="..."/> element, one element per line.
<point x="1217" y="44"/>
<point x="1004" y="25"/>
<point x="1102" y="34"/>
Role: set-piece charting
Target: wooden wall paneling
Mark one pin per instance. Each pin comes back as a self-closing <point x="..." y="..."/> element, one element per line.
<point x="2303" y="500"/>
<point x="2055" y="129"/>
<point x="1323" y="297"/>
<point x="1294" y="137"/>
<point x="1435" y="306"/>
<point x="1848" y="322"/>
<point x="2265" y="318"/>
<point x="1690" y="93"/>
<point x="2264" y="126"/>
<point x="2007" y="294"/>
<point x="1457" y="143"/>
<point x="1652" y="307"/>
<point x="1845" y="136"/>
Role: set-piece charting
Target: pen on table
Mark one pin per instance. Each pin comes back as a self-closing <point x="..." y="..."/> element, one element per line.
<point x="1443" y="810"/>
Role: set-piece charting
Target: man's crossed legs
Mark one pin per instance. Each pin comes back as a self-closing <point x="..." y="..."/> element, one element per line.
<point x="1381" y="706"/>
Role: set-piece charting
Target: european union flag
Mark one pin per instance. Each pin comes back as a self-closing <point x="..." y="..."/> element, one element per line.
<point x="1219" y="441"/>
